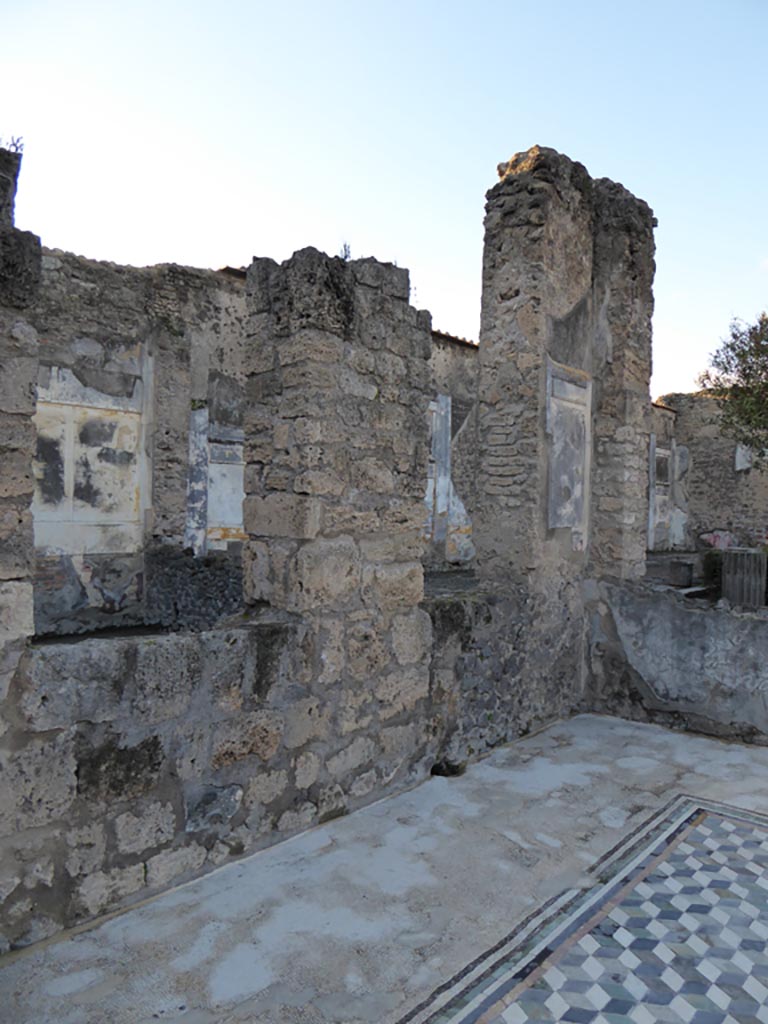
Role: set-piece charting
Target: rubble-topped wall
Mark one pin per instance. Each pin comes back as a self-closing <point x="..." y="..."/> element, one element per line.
<point x="336" y="447"/>
<point x="19" y="287"/>
<point x="139" y="420"/>
<point x="726" y="494"/>
<point x="561" y="492"/>
<point x="565" y="349"/>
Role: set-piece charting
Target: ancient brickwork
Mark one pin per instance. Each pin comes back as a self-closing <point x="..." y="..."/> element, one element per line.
<point x="725" y="491"/>
<point x="622" y="299"/>
<point x="131" y="762"/>
<point x="19" y="287"/>
<point x="336" y="446"/>
<point x="567" y="300"/>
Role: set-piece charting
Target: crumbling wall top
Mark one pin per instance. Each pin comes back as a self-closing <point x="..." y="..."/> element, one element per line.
<point x="10" y="162"/>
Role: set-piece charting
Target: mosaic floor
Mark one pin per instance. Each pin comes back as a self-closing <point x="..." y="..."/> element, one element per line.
<point x="675" y="929"/>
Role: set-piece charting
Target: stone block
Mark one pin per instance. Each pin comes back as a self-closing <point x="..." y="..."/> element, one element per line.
<point x="297" y="819"/>
<point x="215" y="809"/>
<point x="85" y="850"/>
<point x="359" y="752"/>
<point x="327" y="573"/>
<point x="228" y="658"/>
<point x="305" y="720"/>
<point x="412" y="637"/>
<point x="109" y="770"/>
<point x="257" y="734"/>
<point x="393" y="585"/>
<point x="155" y="825"/>
<point x="282" y="515"/>
<point x="266" y="787"/>
<point x="367" y="653"/>
<point x="257" y="576"/>
<point x="69" y="682"/>
<point x="167" y="673"/>
<point x="173" y="865"/>
<point x="104" y="890"/>
<point x="16" y="611"/>
<point x="37" y="783"/>
<point x="306" y="770"/>
<point x="400" y="691"/>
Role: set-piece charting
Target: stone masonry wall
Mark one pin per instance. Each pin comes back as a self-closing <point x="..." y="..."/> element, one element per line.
<point x="159" y="342"/>
<point x="562" y="441"/>
<point x="724" y="491"/>
<point x="336" y="443"/>
<point x="658" y="656"/>
<point x="128" y="763"/>
<point x="19" y="286"/>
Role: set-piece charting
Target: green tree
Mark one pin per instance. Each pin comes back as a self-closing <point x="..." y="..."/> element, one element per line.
<point x="738" y="379"/>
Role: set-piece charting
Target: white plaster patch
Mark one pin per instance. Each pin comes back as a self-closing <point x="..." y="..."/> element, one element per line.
<point x="78" y="981"/>
<point x="613" y="817"/>
<point x="241" y="973"/>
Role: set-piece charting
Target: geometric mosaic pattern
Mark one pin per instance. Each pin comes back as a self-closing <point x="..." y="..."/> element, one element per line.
<point x="675" y="929"/>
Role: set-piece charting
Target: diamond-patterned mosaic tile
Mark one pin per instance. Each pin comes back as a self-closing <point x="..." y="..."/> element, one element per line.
<point x="676" y="930"/>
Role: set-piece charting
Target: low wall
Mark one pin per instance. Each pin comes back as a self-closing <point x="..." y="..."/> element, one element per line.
<point x="655" y="656"/>
<point x="133" y="762"/>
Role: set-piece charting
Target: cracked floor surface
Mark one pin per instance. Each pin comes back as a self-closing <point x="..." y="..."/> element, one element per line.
<point x="370" y="918"/>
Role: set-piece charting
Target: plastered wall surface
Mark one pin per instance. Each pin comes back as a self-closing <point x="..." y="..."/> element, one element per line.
<point x="145" y="351"/>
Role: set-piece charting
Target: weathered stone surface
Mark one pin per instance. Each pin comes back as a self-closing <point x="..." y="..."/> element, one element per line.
<point x="174" y="865"/>
<point x="412" y="637"/>
<point x="306" y="770"/>
<point x="154" y="826"/>
<point x="308" y="719"/>
<point x="103" y="890"/>
<point x="283" y="515"/>
<point x="358" y="753"/>
<point x="265" y="787"/>
<point x="214" y="809"/>
<point x="327" y="573"/>
<point x="257" y="734"/>
<point x="37" y="783"/>
<point x="393" y="586"/>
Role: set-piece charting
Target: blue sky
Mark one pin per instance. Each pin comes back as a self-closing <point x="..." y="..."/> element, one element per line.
<point x="205" y="134"/>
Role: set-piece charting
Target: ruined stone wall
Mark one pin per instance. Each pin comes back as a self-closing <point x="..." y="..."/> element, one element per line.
<point x="132" y="363"/>
<point x="725" y="491"/>
<point x="563" y="428"/>
<point x="19" y="286"/>
<point x="658" y="656"/>
<point x="336" y="443"/>
<point x="131" y="762"/>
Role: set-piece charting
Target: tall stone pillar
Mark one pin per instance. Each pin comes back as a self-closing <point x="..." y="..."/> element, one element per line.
<point x="623" y="302"/>
<point x="336" y="463"/>
<point x="20" y="261"/>
<point x="565" y="345"/>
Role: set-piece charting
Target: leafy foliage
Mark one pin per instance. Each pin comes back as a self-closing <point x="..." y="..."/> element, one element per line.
<point x="738" y="378"/>
<point x="16" y="145"/>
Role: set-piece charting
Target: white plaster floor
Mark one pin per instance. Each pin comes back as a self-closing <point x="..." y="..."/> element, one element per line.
<point x="361" y="919"/>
